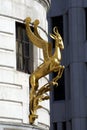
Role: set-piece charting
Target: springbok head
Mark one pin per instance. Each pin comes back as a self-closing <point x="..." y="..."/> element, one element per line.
<point x="57" y="37"/>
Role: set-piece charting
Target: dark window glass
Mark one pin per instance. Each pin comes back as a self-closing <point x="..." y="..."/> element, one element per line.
<point x="70" y="124"/>
<point x="22" y="48"/>
<point x="86" y="22"/>
<point x="58" y="21"/>
<point x="63" y="125"/>
<point x="59" y="91"/>
<point x="54" y="126"/>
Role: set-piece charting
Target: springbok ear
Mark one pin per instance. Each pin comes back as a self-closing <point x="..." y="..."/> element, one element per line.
<point x="53" y="36"/>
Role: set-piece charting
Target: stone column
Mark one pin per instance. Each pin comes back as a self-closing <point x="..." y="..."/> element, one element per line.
<point x="76" y="35"/>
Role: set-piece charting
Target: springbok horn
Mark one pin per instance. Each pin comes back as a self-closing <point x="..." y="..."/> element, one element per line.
<point x="55" y="30"/>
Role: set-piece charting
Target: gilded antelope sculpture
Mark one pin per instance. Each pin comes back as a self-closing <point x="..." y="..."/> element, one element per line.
<point x="51" y="63"/>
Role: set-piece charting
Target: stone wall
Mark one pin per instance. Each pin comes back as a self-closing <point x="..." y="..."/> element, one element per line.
<point x="14" y="85"/>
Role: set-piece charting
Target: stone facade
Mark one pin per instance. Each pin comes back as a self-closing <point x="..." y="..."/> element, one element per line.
<point x="14" y="85"/>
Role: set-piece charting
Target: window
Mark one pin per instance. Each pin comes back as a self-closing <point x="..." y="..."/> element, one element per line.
<point x="55" y="126"/>
<point x="59" y="126"/>
<point x="64" y="125"/>
<point x="23" y="49"/>
<point x="70" y="122"/>
<point x="86" y="22"/>
<point x="59" y="91"/>
<point x="58" y="21"/>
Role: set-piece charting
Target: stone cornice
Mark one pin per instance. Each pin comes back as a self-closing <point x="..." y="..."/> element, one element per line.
<point x="46" y="3"/>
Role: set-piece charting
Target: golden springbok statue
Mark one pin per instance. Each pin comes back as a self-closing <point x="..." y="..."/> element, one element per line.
<point x="52" y="63"/>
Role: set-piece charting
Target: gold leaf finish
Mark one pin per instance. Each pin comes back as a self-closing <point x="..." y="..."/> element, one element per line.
<point x="52" y="63"/>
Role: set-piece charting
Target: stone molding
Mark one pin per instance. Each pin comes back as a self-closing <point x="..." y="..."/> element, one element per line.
<point x="46" y="3"/>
